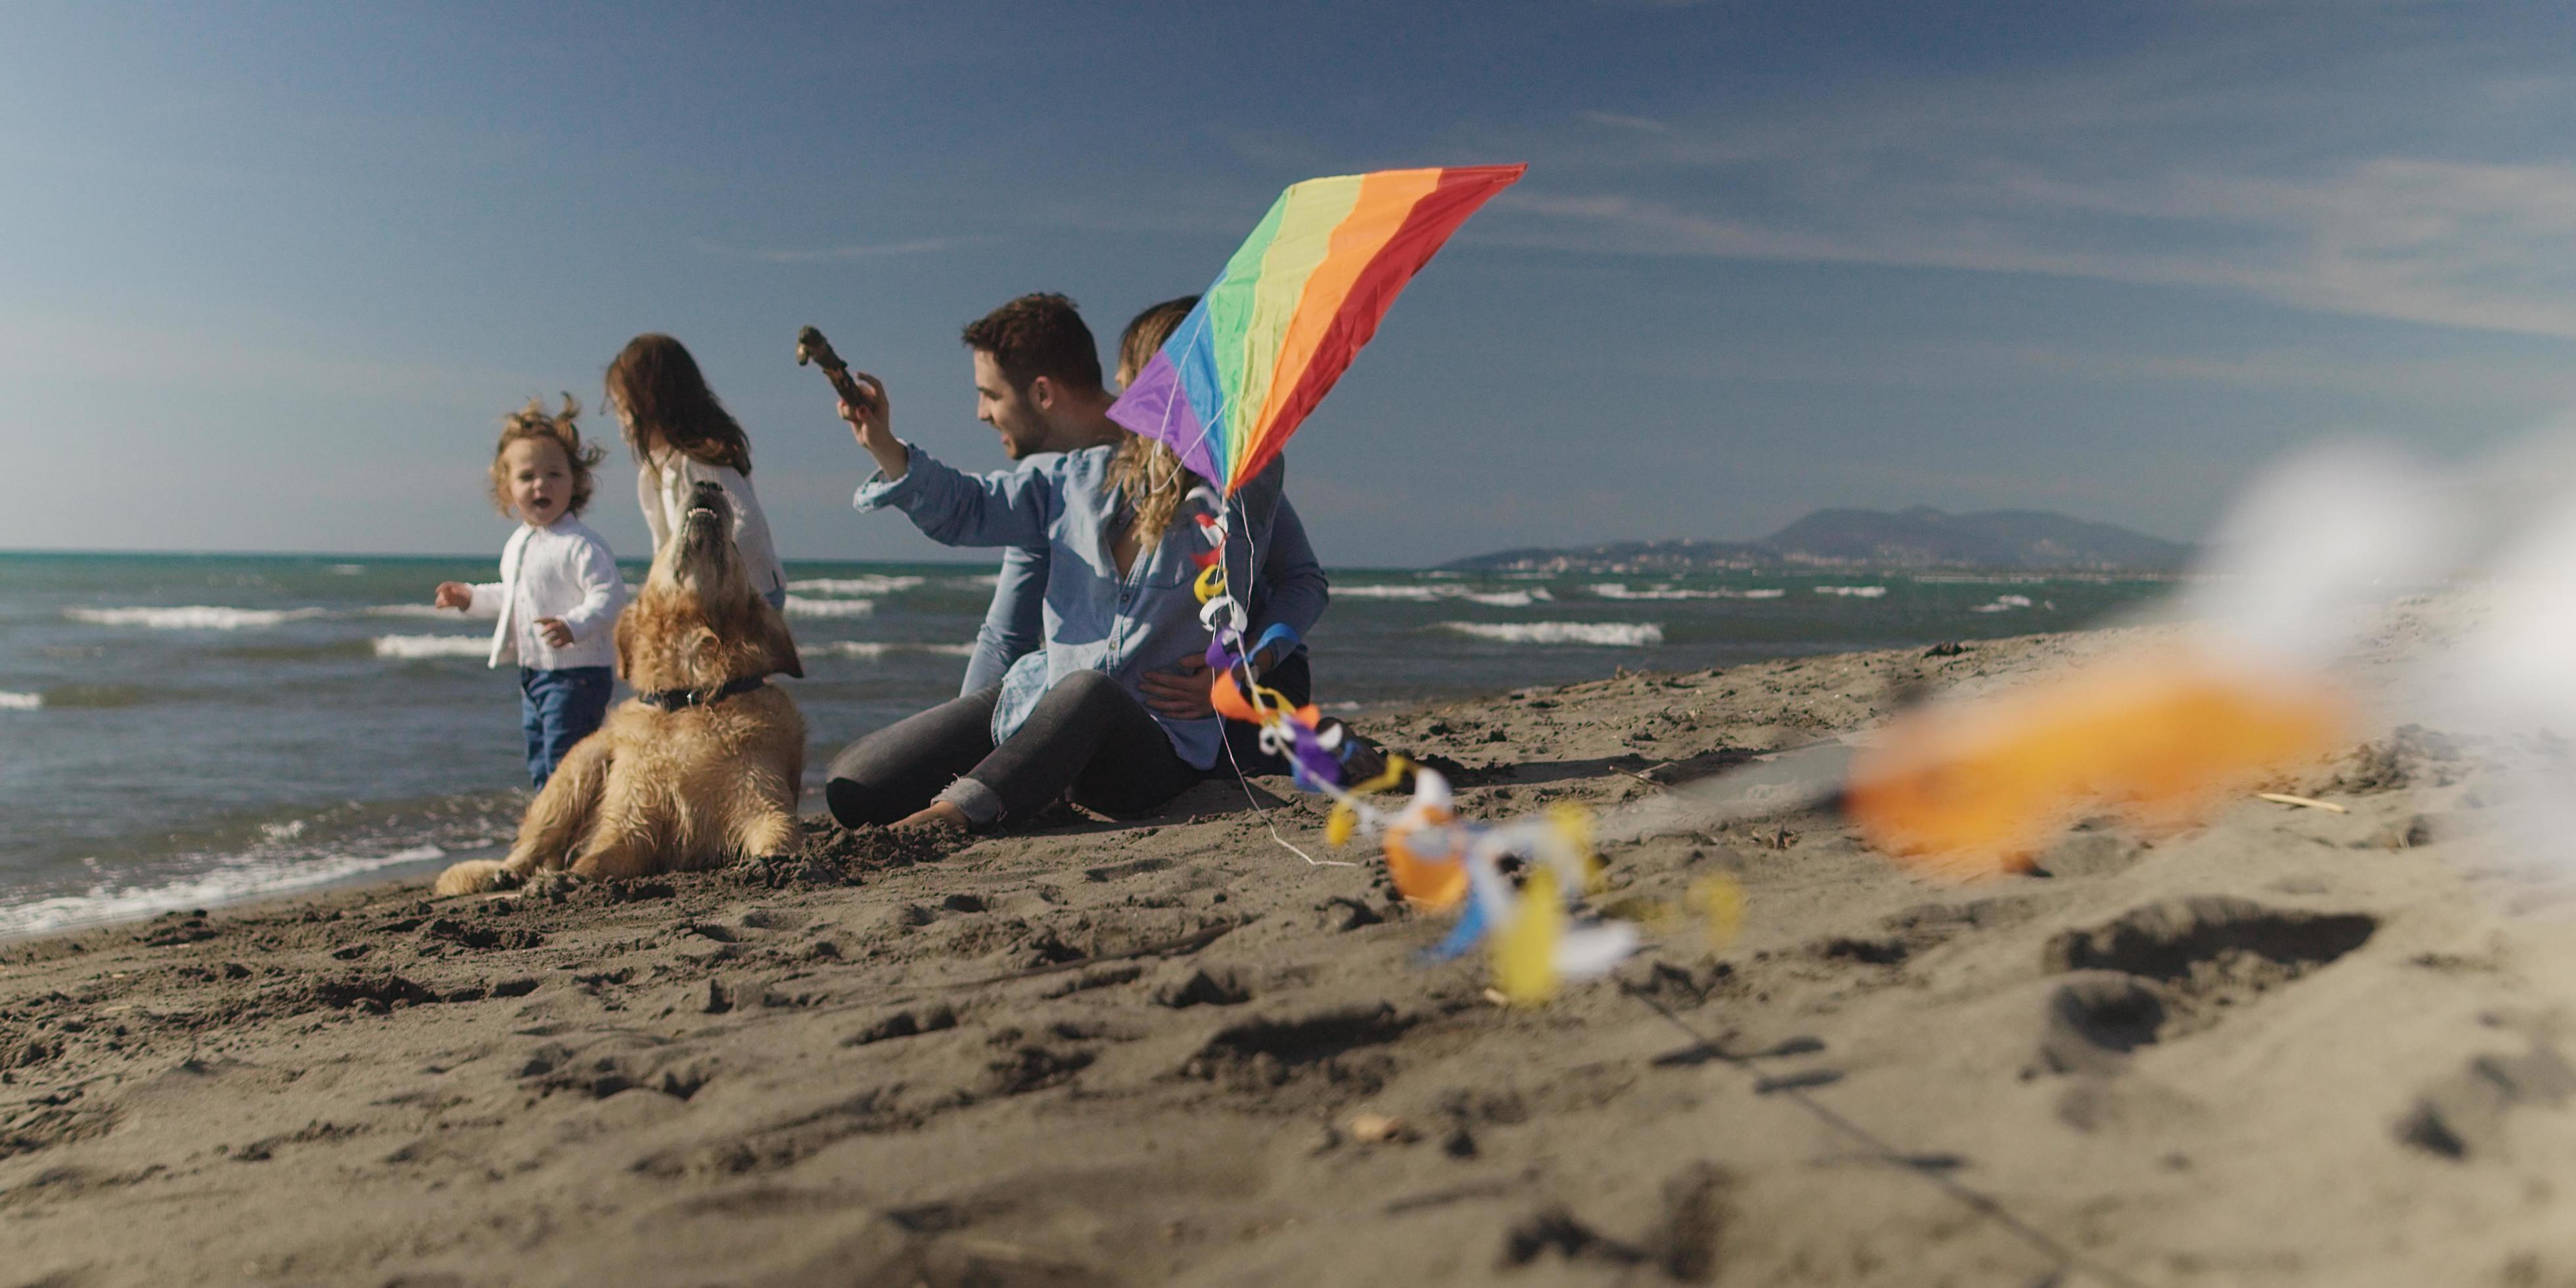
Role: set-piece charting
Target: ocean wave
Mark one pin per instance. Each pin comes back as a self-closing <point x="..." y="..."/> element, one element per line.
<point x="254" y="857"/>
<point x="20" y="701"/>
<point x="420" y="646"/>
<point x="1611" y="634"/>
<point x="798" y="606"/>
<point x="194" y="617"/>
<point x="1445" y="590"/>
<point x="877" y="648"/>
<point x="409" y="610"/>
<point x="2003" y="604"/>
<point x="871" y="584"/>
<point x="92" y="696"/>
<point x="110" y="902"/>
<point x="1621" y="590"/>
<point x="1853" y="592"/>
<point x="346" y="570"/>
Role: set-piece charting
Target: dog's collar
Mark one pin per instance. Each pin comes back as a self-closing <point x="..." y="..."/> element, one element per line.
<point x="682" y="699"/>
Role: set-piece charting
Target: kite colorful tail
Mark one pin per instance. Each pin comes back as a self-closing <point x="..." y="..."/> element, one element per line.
<point x="1534" y="941"/>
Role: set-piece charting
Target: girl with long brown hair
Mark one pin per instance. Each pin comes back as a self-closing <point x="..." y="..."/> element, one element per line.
<point x="681" y="437"/>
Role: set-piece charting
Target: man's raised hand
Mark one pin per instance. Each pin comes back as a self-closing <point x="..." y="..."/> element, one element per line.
<point x="871" y="419"/>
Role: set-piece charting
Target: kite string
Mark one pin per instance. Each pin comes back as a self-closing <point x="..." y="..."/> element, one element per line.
<point x="1876" y="1146"/>
<point x="1252" y="554"/>
<point x="1284" y="843"/>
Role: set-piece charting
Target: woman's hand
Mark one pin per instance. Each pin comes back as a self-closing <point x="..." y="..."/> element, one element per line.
<point x="453" y="594"/>
<point x="1181" y="692"/>
<point x="557" y="634"/>
<point x="871" y="421"/>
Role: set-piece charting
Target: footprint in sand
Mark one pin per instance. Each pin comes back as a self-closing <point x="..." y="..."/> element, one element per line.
<point x="2170" y="968"/>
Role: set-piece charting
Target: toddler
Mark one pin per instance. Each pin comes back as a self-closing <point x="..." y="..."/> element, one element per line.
<point x="559" y="590"/>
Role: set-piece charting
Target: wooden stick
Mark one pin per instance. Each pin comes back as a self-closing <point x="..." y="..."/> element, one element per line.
<point x="2283" y="798"/>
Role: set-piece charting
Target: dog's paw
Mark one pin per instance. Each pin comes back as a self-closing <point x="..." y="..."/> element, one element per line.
<point x="551" y="884"/>
<point x="474" y="876"/>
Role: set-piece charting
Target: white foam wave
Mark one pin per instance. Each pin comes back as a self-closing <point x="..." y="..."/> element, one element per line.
<point x="410" y="610"/>
<point x="419" y="646"/>
<point x="799" y="606"/>
<point x="109" y="902"/>
<point x="20" y="701"/>
<point x="877" y="648"/>
<point x="1853" y="592"/>
<point x="1622" y="590"/>
<point x="347" y="570"/>
<point x="194" y="617"/>
<point x="2003" y="604"/>
<point x="871" y="584"/>
<point x="1610" y="634"/>
<point x="1447" y="590"/>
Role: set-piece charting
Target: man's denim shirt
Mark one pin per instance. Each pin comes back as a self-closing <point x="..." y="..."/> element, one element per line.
<point x="1095" y="621"/>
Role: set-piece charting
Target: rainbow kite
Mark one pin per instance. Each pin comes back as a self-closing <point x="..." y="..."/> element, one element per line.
<point x="1296" y="302"/>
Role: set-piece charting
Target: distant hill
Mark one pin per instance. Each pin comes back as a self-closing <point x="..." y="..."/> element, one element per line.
<point x="1922" y="537"/>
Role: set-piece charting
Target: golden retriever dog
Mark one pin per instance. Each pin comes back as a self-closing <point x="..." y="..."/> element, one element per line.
<point x="704" y="763"/>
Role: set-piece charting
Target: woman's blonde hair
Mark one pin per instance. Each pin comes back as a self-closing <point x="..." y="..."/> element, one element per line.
<point x="1145" y="470"/>
<point x="534" y="422"/>
<point x="657" y="384"/>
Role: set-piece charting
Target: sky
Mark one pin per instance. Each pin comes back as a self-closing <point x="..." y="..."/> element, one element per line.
<point x="269" y="273"/>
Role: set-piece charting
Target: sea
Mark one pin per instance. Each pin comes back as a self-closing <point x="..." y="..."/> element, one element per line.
<point x="180" y="731"/>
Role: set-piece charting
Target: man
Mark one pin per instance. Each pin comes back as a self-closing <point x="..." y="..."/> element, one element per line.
<point x="1072" y="715"/>
<point x="1013" y="626"/>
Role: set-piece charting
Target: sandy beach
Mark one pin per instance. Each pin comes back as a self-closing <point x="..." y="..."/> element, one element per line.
<point x="2292" y="1047"/>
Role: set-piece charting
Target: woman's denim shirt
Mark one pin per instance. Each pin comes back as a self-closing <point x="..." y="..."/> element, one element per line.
<point x="1292" y="592"/>
<point x="1095" y="621"/>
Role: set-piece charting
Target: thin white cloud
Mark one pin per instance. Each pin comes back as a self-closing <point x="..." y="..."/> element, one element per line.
<point x="833" y="254"/>
<point x="2428" y="184"/>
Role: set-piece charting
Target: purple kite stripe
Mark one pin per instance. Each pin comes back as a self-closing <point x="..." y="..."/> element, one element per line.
<point x="1156" y="407"/>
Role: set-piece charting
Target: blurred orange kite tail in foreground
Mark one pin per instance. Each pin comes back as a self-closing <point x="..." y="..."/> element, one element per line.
<point x="1976" y="788"/>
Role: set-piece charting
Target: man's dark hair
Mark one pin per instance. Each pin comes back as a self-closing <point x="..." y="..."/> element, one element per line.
<point x="1038" y="335"/>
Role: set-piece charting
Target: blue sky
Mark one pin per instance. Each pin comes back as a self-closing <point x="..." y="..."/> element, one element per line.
<point x="269" y="273"/>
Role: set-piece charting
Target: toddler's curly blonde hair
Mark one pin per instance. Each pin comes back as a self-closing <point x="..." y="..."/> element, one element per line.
<point x="534" y="421"/>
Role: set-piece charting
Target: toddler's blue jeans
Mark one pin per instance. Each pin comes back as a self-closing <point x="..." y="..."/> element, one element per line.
<point x="558" y="709"/>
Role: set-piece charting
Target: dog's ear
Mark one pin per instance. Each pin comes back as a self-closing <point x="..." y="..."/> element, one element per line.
<point x="771" y="629"/>
<point x="626" y="629"/>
